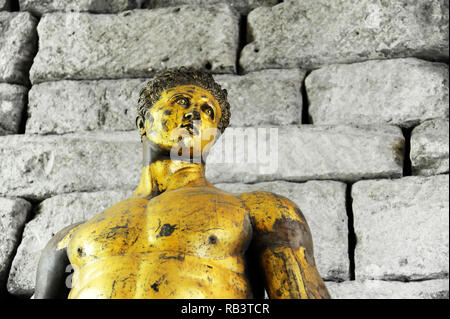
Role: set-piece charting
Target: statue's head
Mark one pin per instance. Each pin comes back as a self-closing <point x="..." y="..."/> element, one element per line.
<point x="182" y="109"/>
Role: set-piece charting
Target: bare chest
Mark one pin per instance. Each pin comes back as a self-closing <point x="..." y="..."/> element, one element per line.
<point x="197" y="222"/>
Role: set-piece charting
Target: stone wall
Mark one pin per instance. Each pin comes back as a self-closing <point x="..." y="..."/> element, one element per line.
<point x="357" y="90"/>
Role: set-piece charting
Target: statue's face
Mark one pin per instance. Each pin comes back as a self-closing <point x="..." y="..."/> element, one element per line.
<point x="185" y="117"/>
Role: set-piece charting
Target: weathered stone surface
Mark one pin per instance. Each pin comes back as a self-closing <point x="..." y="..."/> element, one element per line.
<point x="5" y="4"/>
<point x="17" y="46"/>
<point x="269" y="97"/>
<point x="429" y="147"/>
<point x="38" y="167"/>
<point x="52" y="215"/>
<point x="399" y="91"/>
<point x="402" y="228"/>
<point x="242" y="6"/>
<point x="71" y="106"/>
<point x="377" y="289"/>
<point x="41" y="166"/>
<point x="311" y="33"/>
<point x="12" y="101"/>
<point x="347" y="153"/>
<point x="39" y="7"/>
<point x="135" y="43"/>
<point x="13" y="214"/>
<point x="323" y="205"/>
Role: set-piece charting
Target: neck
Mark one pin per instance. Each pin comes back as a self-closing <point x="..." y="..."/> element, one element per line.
<point x="160" y="173"/>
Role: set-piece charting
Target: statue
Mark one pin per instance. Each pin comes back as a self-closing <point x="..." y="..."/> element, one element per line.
<point x="178" y="236"/>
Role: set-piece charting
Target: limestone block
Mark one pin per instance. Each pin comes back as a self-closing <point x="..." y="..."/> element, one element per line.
<point x="269" y="97"/>
<point x="242" y="6"/>
<point x="399" y="91"/>
<point x="429" y="147"/>
<point x="71" y="106"/>
<point x="38" y="167"/>
<point x="5" y="4"/>
<point x="12" y="101"/>
<point x="52" y="215"/>
<point x="39" y="7"/>
<point x="13" y="214"/>
<point x="323" y="205"/>
<point x="346" y="153"/>
<point x="135" y="43"/>
<point x="378" y="289"/>
<point x="17" y="46"/>
<point x="312" y="33"/>
<point x="402" y="228"/>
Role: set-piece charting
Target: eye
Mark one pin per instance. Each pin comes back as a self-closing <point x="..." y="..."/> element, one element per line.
<point x="182" y="101"/>
<point x="208" y="110"/>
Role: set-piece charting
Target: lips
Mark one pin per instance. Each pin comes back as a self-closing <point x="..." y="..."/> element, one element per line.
<point x="190" y="127"/>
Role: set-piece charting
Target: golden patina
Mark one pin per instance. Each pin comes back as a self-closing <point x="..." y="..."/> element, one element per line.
<point x="178" y="236"/>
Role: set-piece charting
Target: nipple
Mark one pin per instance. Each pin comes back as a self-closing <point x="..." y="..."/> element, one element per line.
<point x="212" y="239"/>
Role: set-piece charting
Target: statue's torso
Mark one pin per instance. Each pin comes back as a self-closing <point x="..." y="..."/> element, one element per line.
<point x="187" y="243"/>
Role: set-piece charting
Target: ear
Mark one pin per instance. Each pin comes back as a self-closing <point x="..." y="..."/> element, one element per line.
<point x="140" y="123"/>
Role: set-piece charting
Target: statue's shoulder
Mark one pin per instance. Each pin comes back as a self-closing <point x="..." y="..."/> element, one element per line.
<point x="133" y="203"/>
<point x="65" y="235"/>
<point x="269" y="210"/>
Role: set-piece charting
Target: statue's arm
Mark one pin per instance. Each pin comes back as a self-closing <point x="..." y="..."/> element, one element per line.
<point x="52" y="268"/>
<point x="283" y="244"/>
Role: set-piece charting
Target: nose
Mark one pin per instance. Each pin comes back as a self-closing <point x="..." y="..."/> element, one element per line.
<point x="192" y="115"/>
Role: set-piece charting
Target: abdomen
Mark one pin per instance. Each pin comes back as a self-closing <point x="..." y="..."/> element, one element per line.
<point x="161" y="275"/>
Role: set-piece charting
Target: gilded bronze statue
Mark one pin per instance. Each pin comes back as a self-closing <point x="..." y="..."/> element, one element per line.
<point x="178" y="236"/>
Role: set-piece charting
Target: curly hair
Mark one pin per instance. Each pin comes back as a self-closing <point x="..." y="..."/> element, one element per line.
<point x="151" y="93"/>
